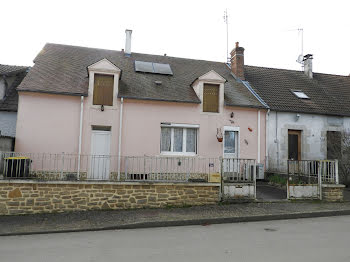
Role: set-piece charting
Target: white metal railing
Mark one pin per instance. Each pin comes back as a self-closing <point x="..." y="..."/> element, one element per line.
<point x="46" y="166"/>
<point x="169" y="168"/>
<point x="238" y="170"/>
<point x="309" y="170"/>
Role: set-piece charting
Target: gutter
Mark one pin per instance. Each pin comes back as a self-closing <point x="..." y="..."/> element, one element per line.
<point x="120" y="134"/>
<point x="247" y="85"/>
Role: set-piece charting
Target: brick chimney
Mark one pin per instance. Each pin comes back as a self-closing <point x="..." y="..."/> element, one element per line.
<point x="237" y="61"/>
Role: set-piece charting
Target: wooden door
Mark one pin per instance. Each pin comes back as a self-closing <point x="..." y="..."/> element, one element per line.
<point x="294" y="144"/>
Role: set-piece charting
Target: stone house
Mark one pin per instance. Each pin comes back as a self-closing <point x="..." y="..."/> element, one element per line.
<point x="307" y="112"/>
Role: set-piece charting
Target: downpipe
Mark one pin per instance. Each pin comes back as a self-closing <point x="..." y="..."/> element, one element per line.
<point x="80" y="131"/>
<point x="120" y="134"/>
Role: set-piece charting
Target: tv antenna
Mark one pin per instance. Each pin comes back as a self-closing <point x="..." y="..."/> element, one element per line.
<point x="226" y="22"/>
<point x="300" y="59"/>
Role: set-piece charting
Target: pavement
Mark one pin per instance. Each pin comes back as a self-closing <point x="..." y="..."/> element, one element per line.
<point x="145" y="218"/>
<point x="313" y="239"/>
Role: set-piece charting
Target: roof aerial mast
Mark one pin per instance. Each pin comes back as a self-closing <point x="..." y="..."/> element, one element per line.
<point x="300" y="59"/>
<point x="226" y="22"/>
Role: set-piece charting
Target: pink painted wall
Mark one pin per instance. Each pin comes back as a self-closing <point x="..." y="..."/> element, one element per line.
<point x="50" y="123"/>
<point x="47" y="123"/>
<point x="142" y="119"/>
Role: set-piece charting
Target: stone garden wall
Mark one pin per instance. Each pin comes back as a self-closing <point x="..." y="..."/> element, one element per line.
<point x="28" y="197"/>
<point x="332" y="192"/>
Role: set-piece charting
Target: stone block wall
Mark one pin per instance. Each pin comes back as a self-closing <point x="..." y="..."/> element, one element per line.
<point x="28" y="197"/>
<point x="332" y="192"/>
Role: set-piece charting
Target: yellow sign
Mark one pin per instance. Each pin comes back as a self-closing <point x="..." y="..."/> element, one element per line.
<point x="214" y="178"/>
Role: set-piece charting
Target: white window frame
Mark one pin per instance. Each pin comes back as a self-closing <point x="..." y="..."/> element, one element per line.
<point x="184" y="136"/>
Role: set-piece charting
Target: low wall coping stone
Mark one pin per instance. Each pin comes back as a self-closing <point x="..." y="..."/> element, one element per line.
<point x="333" y="185"/>
<point x="22" y="181"/>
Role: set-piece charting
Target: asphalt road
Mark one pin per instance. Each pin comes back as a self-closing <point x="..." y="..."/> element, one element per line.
<point x="317" y="239"/>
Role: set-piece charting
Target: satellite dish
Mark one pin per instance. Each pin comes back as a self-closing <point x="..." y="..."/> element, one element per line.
<point x="300" y="59"/>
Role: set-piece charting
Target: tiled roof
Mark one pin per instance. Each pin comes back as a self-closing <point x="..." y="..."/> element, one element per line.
<point x="10" y="100"/>
<point x="329" y="94"/>
<point x="62" y="69"/>
<point x="10" y="69"/>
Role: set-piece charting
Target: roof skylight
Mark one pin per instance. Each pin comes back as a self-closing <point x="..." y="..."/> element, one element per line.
<point x="300" y="94"/>
<point x="155" y="68"/>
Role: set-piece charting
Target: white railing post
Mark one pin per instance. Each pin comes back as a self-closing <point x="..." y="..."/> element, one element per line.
<point x="62" y="156"/>
<point x="336" y="172"/>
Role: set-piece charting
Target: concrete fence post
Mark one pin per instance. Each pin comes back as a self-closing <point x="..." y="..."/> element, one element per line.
<point x="254" y="177"/>
<point x="221" y="190"/>
<point x="336" y="172"/>
<point x="319" y="174"/>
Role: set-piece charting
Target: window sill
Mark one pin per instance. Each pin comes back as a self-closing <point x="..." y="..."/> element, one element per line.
<point x="177" y="154"/>
<point x="211" y="113"/>
<point x="98" y="107"/>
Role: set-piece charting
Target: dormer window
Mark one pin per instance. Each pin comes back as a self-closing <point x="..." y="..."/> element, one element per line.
<point x="104" y="79"/>
<point x="211" y="98"/>
<point x="210" y="91"/>
<point x="103" y="90"/>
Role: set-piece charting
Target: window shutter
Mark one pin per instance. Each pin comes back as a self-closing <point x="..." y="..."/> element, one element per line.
<point x="211" y="98"/>
<point x="103" y="90"/>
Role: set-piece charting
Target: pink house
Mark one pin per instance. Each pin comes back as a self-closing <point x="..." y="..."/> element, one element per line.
<point x="103" y="102"/>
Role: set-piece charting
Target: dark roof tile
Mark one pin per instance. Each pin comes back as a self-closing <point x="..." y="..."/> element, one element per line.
<point x="329" y="94"/>
<point x="10" y="100"/>
<point x="62" y="69"/>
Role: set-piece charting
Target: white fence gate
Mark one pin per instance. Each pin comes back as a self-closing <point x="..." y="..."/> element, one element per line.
<point x="305" y="177"/>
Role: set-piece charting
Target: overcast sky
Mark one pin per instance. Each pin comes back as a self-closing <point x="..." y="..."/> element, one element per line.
<point x="191" y="29"/>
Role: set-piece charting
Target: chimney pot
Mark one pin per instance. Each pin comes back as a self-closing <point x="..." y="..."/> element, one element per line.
<point x="237" y="61"/>
<point x="128" y="42"/>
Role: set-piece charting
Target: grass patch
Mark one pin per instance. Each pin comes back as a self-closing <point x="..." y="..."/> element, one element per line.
<point x="277" y="179"/>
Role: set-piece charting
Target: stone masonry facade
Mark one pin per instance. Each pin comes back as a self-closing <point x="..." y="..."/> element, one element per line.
<point x="332" y="193"/>
<point x="28" y="197"/>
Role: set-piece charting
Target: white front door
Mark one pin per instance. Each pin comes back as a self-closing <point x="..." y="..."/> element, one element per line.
<point x="230" y="143"/>
<point x="100" y="151"/>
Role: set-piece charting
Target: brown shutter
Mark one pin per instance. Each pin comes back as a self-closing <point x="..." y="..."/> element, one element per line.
<point x="211" y="98"/>
<point x="103" y="90"/>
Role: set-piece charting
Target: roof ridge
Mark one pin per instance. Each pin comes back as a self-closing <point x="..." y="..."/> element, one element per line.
<point x="13" y="65"/>
<point x="117" y="51"/>
<point x="293" y="70"/>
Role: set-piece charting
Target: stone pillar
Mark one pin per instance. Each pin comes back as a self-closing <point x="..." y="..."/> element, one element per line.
<point x="332" y="193"/>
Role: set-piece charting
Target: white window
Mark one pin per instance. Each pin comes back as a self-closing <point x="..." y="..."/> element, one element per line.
<point x="300" y="94"/>
<point x="178" y="140"/>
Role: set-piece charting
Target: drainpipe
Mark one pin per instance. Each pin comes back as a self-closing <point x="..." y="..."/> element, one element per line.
<point x="120" y="134"/>
<point x="267" y="140"/>
<point x="277" y="142"/>
<point x="80" y="130"/>
<point x="258" y="136"/>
